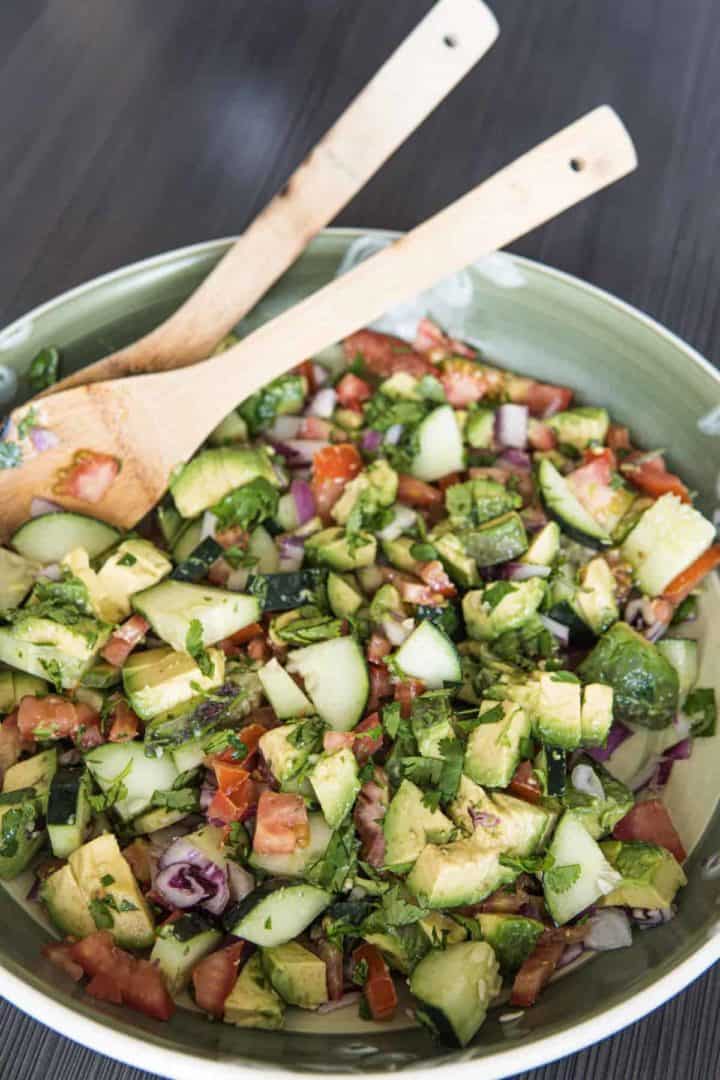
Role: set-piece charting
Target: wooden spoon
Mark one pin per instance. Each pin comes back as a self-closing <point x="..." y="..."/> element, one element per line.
<point x="151" y="423"/>
<point x="418" y="76"/>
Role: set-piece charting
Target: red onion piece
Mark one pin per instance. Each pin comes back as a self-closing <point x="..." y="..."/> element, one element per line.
<point x="351" y="998"/>
<point x="680" y="751"/>
<point x="304" y="500"/>
<point x="179" y="887"/>
<point x="302" y="451"/>
<point x="557" y="629"/>
<point x="515" y="460"/>
<point x="42" y="439"/>
<point x="323" y="404"/>
<point x="241" y="881"/>
<point x="370" y="441"/>
<point x="511" y="426"/>
<point x="394" y="434"/>
<point x="40" y="506"/>
<point x="570" y="954"/>
<point x="52" y="572"/>
<point x="586" y="781"/>
<point x="483" y="818"/>
<point x="517" y="571"/>
<point x="320" y="374"/>
<point x="616" y="736"/>
<point x="609" y="929"/>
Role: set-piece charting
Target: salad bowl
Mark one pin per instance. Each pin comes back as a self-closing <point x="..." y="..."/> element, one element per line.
<point x="534" y="320"/>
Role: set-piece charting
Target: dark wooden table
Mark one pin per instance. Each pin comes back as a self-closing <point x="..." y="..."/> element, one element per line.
<point x="128" y="127"/>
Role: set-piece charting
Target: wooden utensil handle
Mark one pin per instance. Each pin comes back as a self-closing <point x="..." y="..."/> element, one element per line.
<point x="418" y="76"/>
<point x="568" y="167"/>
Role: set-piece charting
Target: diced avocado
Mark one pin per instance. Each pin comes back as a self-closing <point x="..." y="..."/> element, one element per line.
<point x="213" y="474"/>
<point x="101" y="676"/>
<point x="343" y="596"/>
<point x="595" y="600"/>
<point x="501" y="606"/>
<point x="160" y="679"/>
<point x="296" y="974"/>
<point x="645" y="685"/>
<point x="252" y="1002"/>
<point x="599" y="815"/>
<point x="558" y="710"/>
<point x="52" y="650"/>
<point x="651" y="875"/>
<point x="454" y="988"/>
<point x="401" y="946"/>
<point x="596" y="714"/>
<point x="494" y="748"/>
<point x="335" y="781"/>
<point x="500" y="821"/>
<point x="431" y="722"/>
<point x="33" y="772"/>
<point x="512" y="937"/>
<point x="180" y="945"/>
<point x="669" y="537"/>
<point x="458" y="564"/>
<point x="496" y="541"/>
<point x="160" y="818"/>
<point x="397" y="553"/>
<point x="283" y="693"/>
<point x="544" y="547"/>
<point x="281" y="755"/>
<point x="111" y="892"/>
<point x="66" y="904"/>
<point x="400" y="385"/>
<point x="334" y="548"/>
<point x="458" y="873"/>
<point x="409" y="825"/>
<point x="285" y="394"/>
<point x="134" y="565"/>
<point x="580" y="427"/>
<point x="376" y="487"/>
<point x="176" y="608"/>
<point x="477" y="501"/>
<point x="15" y="685"/>
<point x="17" y="577"/>
<point x="20" y="834"/>
<point x="348" y="419"/>
<point x="232" y="429"/>
<point x="480" y="428"/>
<point x="579" y="875"/>
<point x="385" y="601"/>
<point x="682" y="653"/>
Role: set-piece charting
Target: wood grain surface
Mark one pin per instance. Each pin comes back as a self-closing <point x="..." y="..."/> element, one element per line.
<point x="128" y="127"/>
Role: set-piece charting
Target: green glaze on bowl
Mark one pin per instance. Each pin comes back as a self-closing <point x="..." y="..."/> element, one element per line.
<point x="537" y="321"/>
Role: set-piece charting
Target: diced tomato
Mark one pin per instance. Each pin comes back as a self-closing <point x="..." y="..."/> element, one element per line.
<point x="145" y="991"/>
<point x="366" y="745"/>
<point x="601" y="455"/>
<point x="11" y="742"/>
<point x="326" y="493"/>
<point x="228" y="775"/>
<point x="536" y="972"/>
<point x="241" y="637"/>
<point x="337" y="740"/>
<point x="378" y="988"/>
<point x="651" y="822"/>
<point x="214" y="977"/>
<point x="433" y="574"/>
<point x="308" y="373"/>
<point x="236" y="803"/>
<point x="352" y="391"/>
<point x="53" y="717"/>
<point x="249" y="736"/>
<point x="540" y="436"/>
<point x="447" y="481"/>
<point x="381" y="687"/>
<point x="105" y="988"/>
<point x="88" y="477"/>
<point x="618" y="438"/>
<point x="378" y="647"/>
<point x="681" y="586"/>
<point x="138" y="856"/>
<point x="463" y="382"/>
<point x="339" y="462"/>
<point x="384" y="354"/>
<point x="138" y="983"/>
<point x="370" y="809"/>
<point x="315" y="427"/>
<point x="405" y="692"/>
<point x="281" y="825"/>
<point x="430" y="338"/>
<point x="411" y="590"/>
<point x="125" y="724"/>
<point x="651" y="476"/>
<point x="89" y="736"/>
<point x="332" y="957"/>
<point x="591" y="484"/>
<point x="123" y="640"/>
<point x="61" y="955"/>
<point x="544" y="399"/>
<point x="525" y="784"/>
<point x="415" y="492"/>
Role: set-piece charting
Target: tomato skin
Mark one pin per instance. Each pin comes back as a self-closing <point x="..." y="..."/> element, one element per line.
<point x="540" y="436"/>
<point x="618" y="438"/>
<point x="381" y="687"/>
<point x="281" y="825"/>
<point x="415" y="492"/>
<point x="103" y="987"/>
<point x="306" y="370"/>
<point x="463" y="382"/>
<point x="405" y="692"/>
<point x="88" y="477"/>
<point x="123" y="640"/>
<point x="60" y="954"/>
<point x="544" y="399"/>
<point x="379" y="988"/>
<point x="214" y="977"/>
<point x="137" y="983"/>
<point x="651" y="822"/>
<point x="352" y="391"/>
<point x="378" y="647"/>
<point x="125" y="724"/>
<point x="434" y="576"/>
<point x="681" y="586"/>
<point x="11" y="743"/>
<point x="339" y="462"/>
<point x="652" y="477"/>
<point x="229" y="775"/>
<point x="383" y="354"/>
<point x="524" y="784"/>
<point x="56" y="717"/>
<point x="235" y="804"/>
<point x="366" y="745"/>
<point x="535" y="973"/>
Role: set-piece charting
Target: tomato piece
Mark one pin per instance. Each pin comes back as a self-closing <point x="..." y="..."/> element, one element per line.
<point x="51" y="717"/>
<point x="378" y="987"/>
<point x="618" y="438"/>
<point x="384" y="354"/>
<point x="214" y="977"/>
<point x="145" y="991"/>
<point x="365" y="745"/>
<point x="591" y="485"/>
<point x="11" y="743"/>
<point x="540" y="436"/>
<point x="281" y="825"/>
<point x="308" y="373"/>
<point x="683" y="584"/>
<point x="222" y="810"/>
<point x="381" y="687"/>
<point x="370" y="809"/>
<point x="88" y="477"/>
<point x="61" y="955"/>
<point x="415" y="492"/>
<point x="431" y="339"/>
<point x="352" y="391"/>
<point x="339" y="462"/>
<point x="249" y="736"/>
<point x="536" y="972"/>
<point x="433" y="574"/>
<point x="651" y="822"/>
<point x="652" y="477"/>
<point x="123" y="640"/>
<point x="463" y="382"/>
<point x="241" y="637"/>
<point x="525" y="784"/>
<point x="447" y="481"/>
<point x="125" y="724"/>
<point x="544" y="399"/>
<point x="105" y="988"/>
<point x="138" y="856"/>
<point x="405" y="692"/>
<point x="378" y="647"/>
<point x="136" y="983"/>
<point x="337" y="740"/>
<point x="235" y="804"/>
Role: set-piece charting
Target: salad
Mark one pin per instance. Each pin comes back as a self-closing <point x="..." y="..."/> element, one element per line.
<point x="348" y="711"/>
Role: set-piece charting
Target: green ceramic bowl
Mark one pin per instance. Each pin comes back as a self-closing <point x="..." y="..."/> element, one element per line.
<point x="537" y="321"/>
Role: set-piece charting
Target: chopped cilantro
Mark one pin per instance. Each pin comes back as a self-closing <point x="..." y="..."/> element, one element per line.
<point x="185" y="800"/>
<point x="701" y="708"/>
<point x="564" y="677"/>
<point x="128" y="559"/>
<point x="44" y="369"/>
<point x="100" y="909"/>
<point x="438" y="776"/>
<point x="423" y="552"/>
<point x="561" y="878"/>
<point x="116" y="792"/>
<point x="196" y="648"/>
<point x="489" y="716"/>
<point x="28" y="422"/>
<point x="106" y="880"/>
<point x="10" y="455"/>
<point x="247" y="506"/>
<point x="496" y="592"/>
<point x="360" y="972"/>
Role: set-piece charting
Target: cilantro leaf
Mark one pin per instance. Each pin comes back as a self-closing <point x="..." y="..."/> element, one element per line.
<point x="438" y="776"/>
<point x="116" y="792"/>
<point x="283" y="395"/>
<point x="489" y="716"/>
<point x="186" y="800"/>
<point x="247" y="506"/>
<point x="196" y="648"/>
<point x="397" y="911"/>
<point x="44" y="369"/>
<point x="337" y="866"/>
<point x="28" y="422"/>
<point x="561" y="878"/>
<point x="496" y="592"/>
<point x="10" y="455"/>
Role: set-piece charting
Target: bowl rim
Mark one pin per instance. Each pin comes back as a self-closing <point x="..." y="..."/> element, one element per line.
<point x="133" y="1050"/>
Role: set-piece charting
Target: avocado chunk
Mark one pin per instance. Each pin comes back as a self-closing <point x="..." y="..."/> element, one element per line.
<point x="20" y="836"/>
<point x="17" y="577"/>
<point x="335" y="781"/>
<point x="580" y="427"/>
<point x="477" y="501"/>
<point x="409" y="824"/>
<point x="596" y="714"/>
<point x="252" y="1002"/>
<point x="283" y="395"/>
<point x="296" y="974"/>
<point x="494" y="747"/>
<point x="497" y="540"/>
<point x="501" y="606"/>
<point x="512" y="937"/>
<point x="456" y="561"/>
<point x="500" y="821"/>
<point x="40" y="646"/>
<point x="343" y="596"/>
<point x="480" y="428"/>
<point x="283" y="757"/>
<point x="372" y="490"/>
<point x="66" y="904"/>
<point x="651" y="875"/>
<point x="397" y="552"/>
<point x="645" y="685"/>
<point x="599" y="815"/>
<point x="134" y="565"/>
<point x="111" y="893"/>
<point x="213" y="474"/>
<point x="180" y="945"/>
<point x="33" y="772"/>
<point x="159" y="679"/>
<point x="15" y="685"/>
<point x="595" y="600"/>
<point x="430" y="720"/>
<point x="558" y="710"/>
<point x="544" y="547"/>
<point x="454" y="988"/>
<point x="334" y="548"/>
<point x="458" y="873"/>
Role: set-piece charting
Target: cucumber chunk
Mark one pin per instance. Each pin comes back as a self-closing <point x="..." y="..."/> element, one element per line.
<point x="454" y="988"/>
<point x="49" y="537"/>
<point x="336" y="679"/>
<point x="172" y="606"/>
<point x="428" y="654"/>
<point x="276" y="913"/>
<point x="561" y="504"/>
<point x="440" y="446"/>
<point x="580" y="873"/>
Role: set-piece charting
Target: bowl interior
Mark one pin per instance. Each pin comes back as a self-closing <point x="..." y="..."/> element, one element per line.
<point x="527" y="318"/>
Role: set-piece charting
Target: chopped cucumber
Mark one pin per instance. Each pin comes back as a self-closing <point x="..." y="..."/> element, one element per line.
<point x="440" y="446"/>
<point x="49" y="537"/>
<point x="173" y="606"/>
<point x="276" y="913"/>
<point x="562" y="504"/>
<point x="580" y="873"/>
<point x="667" y="539"/>
<point x="336" y="679"/>
<point x="429" y="655"/>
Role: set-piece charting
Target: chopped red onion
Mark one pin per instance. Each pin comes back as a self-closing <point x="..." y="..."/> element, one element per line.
<point x="679" y="751"/>
<point x="404" y="518"/>
<point x="285" y="427"/>
<point x="616" y="736"/>
<point x="609" y="929"/>
<point x="511" y="426"/>
<point x="483" y="818"/>
<point x="292" y="553"/>
<point x="645" y="773"/>
<point x="656" y="630"/>
<point x="53" y="572"/>
<point x="682" y="725"/>
<point x="394" y="434"/>
<point x="302" y="451"/>
<point x="515" y="460"/>
<point x="180" y="887"/>
<point x="42" y="439"/>
<point x="370" y="441"/>
<point x="587" y="782"/>
<point x="351" y="998"/>
<point x="557" y="629"/>
<point x="304" y="500"/>
<point x="188" y="878"/>
<point x="241" y="881"/>
<point x="40" y="506"/>
<point x="320" y="374"/>
<point x="570" y="954"/>
<point x="323" y="404"/>
<point x="518" y="571"/>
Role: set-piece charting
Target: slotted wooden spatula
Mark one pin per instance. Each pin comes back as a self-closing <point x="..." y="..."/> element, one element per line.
<point x="151" y="423"/>
<point x="421" y="72"/>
